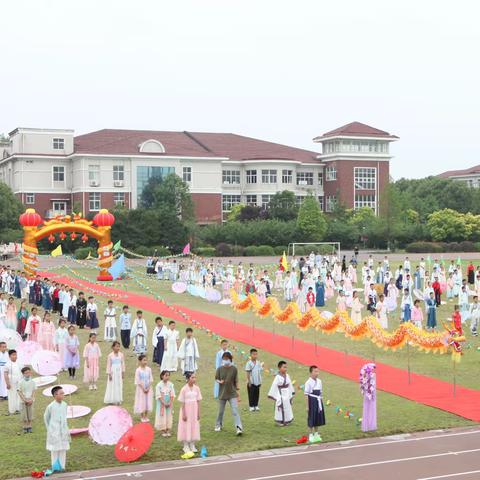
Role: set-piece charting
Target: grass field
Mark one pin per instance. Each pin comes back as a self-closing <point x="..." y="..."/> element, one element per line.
<point x="395" y="414"/>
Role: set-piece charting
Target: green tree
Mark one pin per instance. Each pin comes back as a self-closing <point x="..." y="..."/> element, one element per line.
<point x="250" y="212"/>
<point x="235" y="212"/>
<point x="311" y="222"/>
<point x="282" y="206"/>
<point x="10" y="210"/>
<point x="171" y="192"/>
<point x="448" y="225"/>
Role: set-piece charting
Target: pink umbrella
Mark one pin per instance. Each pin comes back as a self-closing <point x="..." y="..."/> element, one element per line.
<point x="11" y="337"/>
<point x="68" y="389"/>
<point x="179" y="287"/>
<point x="46" y="362"/>
<point x="75" y="411"/>
<point x="108" y="425"/>
<point x="26" y="350"/>
<point x="78" y="431"/>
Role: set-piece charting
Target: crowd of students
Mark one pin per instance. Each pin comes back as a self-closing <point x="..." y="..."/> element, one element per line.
<point x="410" y="292"/>
<point x="168" y="353"/>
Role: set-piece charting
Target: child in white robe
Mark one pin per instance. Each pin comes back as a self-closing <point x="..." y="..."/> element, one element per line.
<point x="282" y="392"/>
<point x="170" y="356"/>
<point x="138" y="334"/>
<point x="189" y="353"/>
<point x="13" y="375"/>
<point x="3" y="364"/>
<point x="110" y="315"/>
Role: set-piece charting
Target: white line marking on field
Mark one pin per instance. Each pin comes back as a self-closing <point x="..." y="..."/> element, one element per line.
<point x="450" y="475"/>
<point x="362" y="465"/>
<point x="275" y="456"/>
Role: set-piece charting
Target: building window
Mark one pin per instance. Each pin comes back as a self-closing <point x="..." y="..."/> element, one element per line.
<point x="228" y="201"/>
<point x="369" y="200"/>
<point x="94" y="201"/>
<point x="58" y="143"/>
<point x="118" y="173"/>
<point x="187" y="174"/>
<point x="59" y="208"/>
<point x="269" y="176"/>
<point x="320" y="179"/>
<point x="266" y="200"/>
<point x="365" y="178"/>
<point x="251" y="200"/>
<point x="29" y="198"/>
<point x="231" y="177"/>
<point x="287" y="176"/>
<point x="144" y="174"/>
<point x="251" y="176"/>
<point x="330" y="201"/>
<point x="330" y="173"/>
<point x="304" y="178"/>
<point x="320" y="201"/>
<point x="119" y="199"/>
<point x="94" y="175"/>
<point x="59" y="174"/>
<point x="299" y="199"/>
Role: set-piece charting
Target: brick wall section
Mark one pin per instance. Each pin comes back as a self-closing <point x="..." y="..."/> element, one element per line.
<point x="43" y="201"/>
<point x="208" y="207"/>
<point x="343" y="187"/>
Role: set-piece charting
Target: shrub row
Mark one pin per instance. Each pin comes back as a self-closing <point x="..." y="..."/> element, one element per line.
<point x="439" y="247"/>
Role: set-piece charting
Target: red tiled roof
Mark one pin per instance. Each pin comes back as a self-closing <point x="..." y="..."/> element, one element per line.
<point x="193" y="144"/>
<point x="357" y="129"/>
<point x="456" y="173"/>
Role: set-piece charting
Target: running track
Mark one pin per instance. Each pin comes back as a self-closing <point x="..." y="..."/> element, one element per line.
<point x="447" y="455"/>
<point x="427" y="390"/>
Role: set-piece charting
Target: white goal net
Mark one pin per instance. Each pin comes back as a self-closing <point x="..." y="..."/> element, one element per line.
<point x="322" y="248"/>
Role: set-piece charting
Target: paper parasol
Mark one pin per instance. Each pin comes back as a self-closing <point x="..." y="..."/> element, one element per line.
<point x="45" y="380"/>
<point x="68" y="389"/>
<point x="46" y="362"/>
<point x="108" y="425"/>
<point x="179" y="287"/>
<point x="75" y="411"/>
<point x="10" y="337"/>
<point x="26" y="350"/>
<point x="78" y="431"/>
<point x="418" y="294"/>
<point x="134" y="443"/>
<point x="326" y="314"/>
<point x="213" y="295"/>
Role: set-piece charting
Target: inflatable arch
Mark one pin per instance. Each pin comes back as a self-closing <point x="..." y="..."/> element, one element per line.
<point x="35" y="228"/>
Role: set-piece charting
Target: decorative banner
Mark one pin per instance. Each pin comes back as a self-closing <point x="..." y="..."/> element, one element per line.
<point x="341" y="322"/>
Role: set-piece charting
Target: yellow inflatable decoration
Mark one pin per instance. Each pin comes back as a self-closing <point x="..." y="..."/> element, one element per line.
<point x="369" y="327"/>
<point x="35" y="228"/>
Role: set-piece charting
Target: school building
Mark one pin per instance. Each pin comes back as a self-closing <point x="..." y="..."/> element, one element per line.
<point x="55" y="172"/>
<point x="470" y="176"/>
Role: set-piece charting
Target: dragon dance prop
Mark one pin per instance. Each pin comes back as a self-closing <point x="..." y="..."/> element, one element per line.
<point x="368" y="327"/>
<point x="35" y="228"/>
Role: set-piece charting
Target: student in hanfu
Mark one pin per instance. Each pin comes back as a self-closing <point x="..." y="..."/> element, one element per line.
<point x="158" y="341"/>
<point x="81" y="305"/>
<point x="138" y="334"/>
<point x="282" y="392"/>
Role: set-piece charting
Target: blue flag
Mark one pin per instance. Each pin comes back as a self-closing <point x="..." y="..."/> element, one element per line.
<point x="117" y="270"/>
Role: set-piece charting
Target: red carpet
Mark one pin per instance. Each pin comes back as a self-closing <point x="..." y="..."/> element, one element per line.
<point x="426" y="390"/>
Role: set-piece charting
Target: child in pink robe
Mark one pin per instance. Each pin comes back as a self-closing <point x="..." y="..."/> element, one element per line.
<point x="46" y="333"/>
<point x="91" y="354"/>
<point x="417" y="314"/>
<point x="143" y="389"/>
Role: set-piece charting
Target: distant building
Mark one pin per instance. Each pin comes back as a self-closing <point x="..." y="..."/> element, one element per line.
<point x="471" y="176"/>
<point x="54" y="171"/>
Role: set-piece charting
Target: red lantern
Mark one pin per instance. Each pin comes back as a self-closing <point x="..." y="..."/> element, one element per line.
<point x="84" y="238"/>
<point x="62" y="236"/>
<point x="73" y="236"/>
<point x="30" y="218"/>
<point x="104" y="218"/>
<point x="51" y="238"/>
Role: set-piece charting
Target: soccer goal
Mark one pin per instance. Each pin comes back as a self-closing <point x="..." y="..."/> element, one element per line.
<point x="323" y="248"/>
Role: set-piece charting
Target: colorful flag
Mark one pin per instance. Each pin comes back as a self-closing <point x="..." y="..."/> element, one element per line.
<point x="186" y="249"/>
<point x="284" y="263"/>
<point x="117" y="245"/>
<point x="57" y="251"/>
<point x="117" y="270"/>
